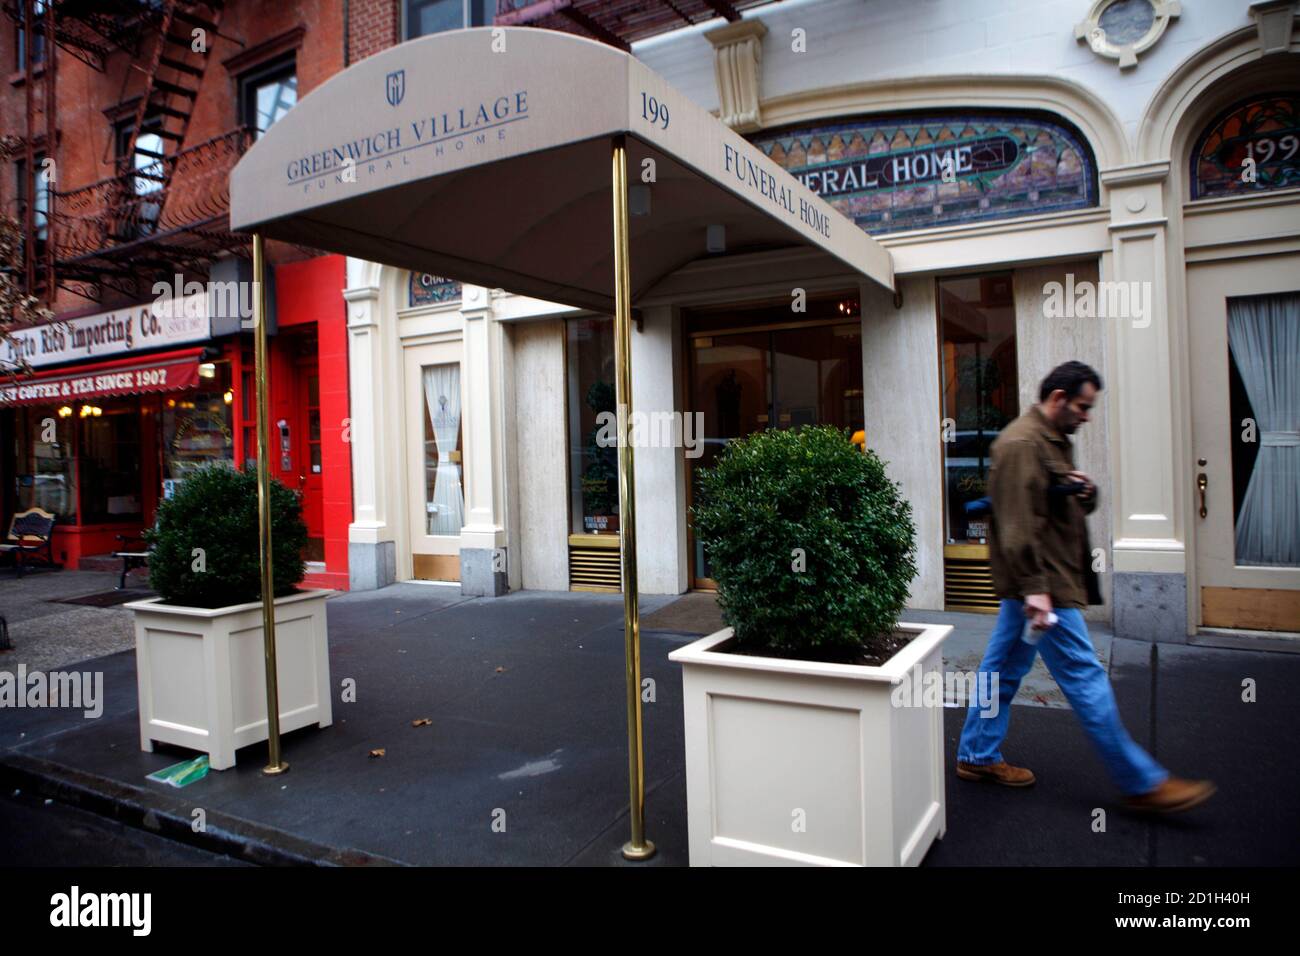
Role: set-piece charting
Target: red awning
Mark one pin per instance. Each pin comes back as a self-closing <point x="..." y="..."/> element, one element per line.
<point x="164" y="372"/>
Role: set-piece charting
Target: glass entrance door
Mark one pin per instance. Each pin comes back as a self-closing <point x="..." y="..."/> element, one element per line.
<point x="776" y="376"/>
<point x="731" y="379"/>
<point x="434" y="460"/>
<point x="977" y="323"/>
<point x="1244" y="479"/>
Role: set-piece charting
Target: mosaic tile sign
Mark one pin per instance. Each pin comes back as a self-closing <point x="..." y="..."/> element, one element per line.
<point x="1251" y="147"/>
<point x="915" y="172"/>
<point x="426" y="289"/>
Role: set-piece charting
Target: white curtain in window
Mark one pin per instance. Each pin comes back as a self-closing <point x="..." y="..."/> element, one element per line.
<point x="1264" y="336"/>
<point x="442" y="402"/>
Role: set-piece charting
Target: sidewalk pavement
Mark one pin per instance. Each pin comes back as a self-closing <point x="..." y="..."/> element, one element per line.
<point x="526" y="698"/>
<point x="48" y="633"/>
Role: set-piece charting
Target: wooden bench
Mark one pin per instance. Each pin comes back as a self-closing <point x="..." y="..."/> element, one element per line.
<point x="30" y="533"/>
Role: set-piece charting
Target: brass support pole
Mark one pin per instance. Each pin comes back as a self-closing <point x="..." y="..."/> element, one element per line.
<point x="637" y="848"/>
<point x="274" y="763"/>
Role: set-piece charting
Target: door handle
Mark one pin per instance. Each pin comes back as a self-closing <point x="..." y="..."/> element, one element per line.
<point x="1202" y="482"/>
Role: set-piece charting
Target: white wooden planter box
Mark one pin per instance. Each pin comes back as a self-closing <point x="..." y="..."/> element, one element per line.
<point x="801" y="763"/>
<point x="201" y="672"/>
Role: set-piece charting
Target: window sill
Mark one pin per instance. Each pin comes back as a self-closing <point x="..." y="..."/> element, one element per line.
<point x="19" y="77"/>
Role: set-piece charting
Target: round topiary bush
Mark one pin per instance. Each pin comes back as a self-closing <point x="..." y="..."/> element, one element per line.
<point x="206" y="551"/>
<point x="810" y="544"/>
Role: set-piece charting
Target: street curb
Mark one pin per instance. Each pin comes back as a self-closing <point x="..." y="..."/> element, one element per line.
<point x="170" y="817"/>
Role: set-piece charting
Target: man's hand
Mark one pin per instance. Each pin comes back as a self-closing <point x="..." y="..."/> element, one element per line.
<point x="1037" y="607"/>
<point x="1089" y="489"/>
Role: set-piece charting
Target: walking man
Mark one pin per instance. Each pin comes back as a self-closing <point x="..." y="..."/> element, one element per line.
<point x="1042" y="571"/>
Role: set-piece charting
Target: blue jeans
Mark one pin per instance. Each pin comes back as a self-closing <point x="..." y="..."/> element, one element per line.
<point x="1069" y="655"/>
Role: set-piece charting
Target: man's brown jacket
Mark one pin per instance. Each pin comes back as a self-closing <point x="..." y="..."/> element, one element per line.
<point x="1038" y="542"/>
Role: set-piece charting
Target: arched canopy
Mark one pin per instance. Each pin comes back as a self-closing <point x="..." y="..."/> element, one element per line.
<point x="484" y="155"/>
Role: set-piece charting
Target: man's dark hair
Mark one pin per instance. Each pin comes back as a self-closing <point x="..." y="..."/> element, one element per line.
<point x="1069" y="376"/>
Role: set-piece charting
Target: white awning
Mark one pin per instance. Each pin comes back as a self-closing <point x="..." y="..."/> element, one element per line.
<point x="484" y="155"/>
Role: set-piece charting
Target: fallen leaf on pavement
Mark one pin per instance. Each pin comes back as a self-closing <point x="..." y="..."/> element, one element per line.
<point x="378" y="752"/>
<point x="422" y="722"/>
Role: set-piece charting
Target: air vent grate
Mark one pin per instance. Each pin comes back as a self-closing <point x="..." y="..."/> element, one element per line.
<point x="594" y="563"/>
<point x="968" y="585"/>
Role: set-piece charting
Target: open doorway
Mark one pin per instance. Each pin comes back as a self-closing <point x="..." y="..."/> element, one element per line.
<point x="756" y="367"/>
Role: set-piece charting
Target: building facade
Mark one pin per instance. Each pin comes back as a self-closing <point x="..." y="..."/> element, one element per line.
<point x="132" y="116"/>
<point x="1115" y="181"/>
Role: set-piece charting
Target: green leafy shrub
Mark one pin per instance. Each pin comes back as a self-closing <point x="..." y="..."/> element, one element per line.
<point x="215" y="509"/>
<point x="781" y="495"/>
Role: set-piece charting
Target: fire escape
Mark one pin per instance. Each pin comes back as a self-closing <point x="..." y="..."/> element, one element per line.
<point x="618" y="23"/>
<point x="165" y="207"/>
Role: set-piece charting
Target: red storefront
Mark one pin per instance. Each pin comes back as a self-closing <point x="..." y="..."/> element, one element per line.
<point x="309" y="404"/>
<point x="99" y="442"/>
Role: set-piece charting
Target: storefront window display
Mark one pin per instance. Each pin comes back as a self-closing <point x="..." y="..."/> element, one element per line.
<point x="45" y="475"/>
<point x="104" y="460"/>
<point x="593" y="465"/>
<point x="197" y="427"/>
<point x="108" y="452"/>
<point x="248" y="411"/>
<point x="980" y="391"/>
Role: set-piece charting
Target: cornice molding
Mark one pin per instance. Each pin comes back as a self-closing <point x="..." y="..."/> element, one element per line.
<point x="1274" y="20"/>
<point x="737" y="58"/>
<point x="1135" y="174"/>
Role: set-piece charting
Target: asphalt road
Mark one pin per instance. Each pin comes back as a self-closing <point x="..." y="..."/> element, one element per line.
<point x="36" y="833"/>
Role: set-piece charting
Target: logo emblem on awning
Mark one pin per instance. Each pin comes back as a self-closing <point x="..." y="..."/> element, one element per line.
<point x="396" y="87"/>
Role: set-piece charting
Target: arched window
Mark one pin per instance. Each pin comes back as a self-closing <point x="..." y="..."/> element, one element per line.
<point x="1252" y="146"/>
<point x="922" y="170"/>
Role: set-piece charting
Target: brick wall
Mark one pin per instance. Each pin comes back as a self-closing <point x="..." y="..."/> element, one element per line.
<point x="373" y="25"/>
<point x="85" y="145"/>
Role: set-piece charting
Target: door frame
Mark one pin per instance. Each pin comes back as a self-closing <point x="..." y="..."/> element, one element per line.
<point x="426" y="555"/>
<point x="1210" y="284"/>
<point x="693" y="582"/>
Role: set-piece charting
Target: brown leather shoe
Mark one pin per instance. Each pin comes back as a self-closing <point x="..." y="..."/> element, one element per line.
<point x="1002" y="773"/>
<point x="1173" y="796"/>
